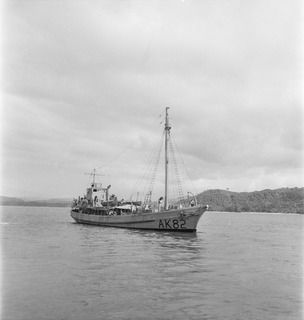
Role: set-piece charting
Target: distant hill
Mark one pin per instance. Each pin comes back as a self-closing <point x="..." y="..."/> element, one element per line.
<point x="285" y="200"/>
<point x="10" y="201"/>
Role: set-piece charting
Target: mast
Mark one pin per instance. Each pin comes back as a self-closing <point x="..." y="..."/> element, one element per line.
<point x="167" y="134"/>
<point x="93" y="174"/>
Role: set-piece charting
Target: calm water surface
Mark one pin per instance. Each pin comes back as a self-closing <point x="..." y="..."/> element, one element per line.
<point x="237" y="266"/>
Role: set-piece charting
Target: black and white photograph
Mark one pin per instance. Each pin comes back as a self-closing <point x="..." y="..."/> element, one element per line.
<point x="152" y="160"/>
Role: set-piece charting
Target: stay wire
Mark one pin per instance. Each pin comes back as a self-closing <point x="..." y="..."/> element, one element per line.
<point x="185" y="167"/>
<point x="144" y="181"/>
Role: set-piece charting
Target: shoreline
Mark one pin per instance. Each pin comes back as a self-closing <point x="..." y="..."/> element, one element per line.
<point x="209" y="211"/>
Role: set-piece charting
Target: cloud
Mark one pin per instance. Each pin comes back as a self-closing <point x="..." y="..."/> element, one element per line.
<point x="85" y="82"/>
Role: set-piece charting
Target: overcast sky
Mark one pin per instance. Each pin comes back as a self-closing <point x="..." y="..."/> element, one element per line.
<point x="84" y="83"/>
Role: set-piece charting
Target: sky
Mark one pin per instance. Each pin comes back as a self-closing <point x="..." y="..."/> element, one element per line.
<point x="84" y="85"/>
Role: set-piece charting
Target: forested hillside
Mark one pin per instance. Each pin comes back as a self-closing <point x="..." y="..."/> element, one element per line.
<point x="10" y="201"/>
<point x="288" y="200"/>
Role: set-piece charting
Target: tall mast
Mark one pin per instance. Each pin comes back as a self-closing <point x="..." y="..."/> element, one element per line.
<point x="167" y="134"/>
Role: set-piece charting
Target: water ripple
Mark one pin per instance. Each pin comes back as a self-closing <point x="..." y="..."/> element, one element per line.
<point x="236" y="266"/>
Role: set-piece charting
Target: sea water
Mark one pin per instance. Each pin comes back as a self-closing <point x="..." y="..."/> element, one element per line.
<point x="237" y="266"/>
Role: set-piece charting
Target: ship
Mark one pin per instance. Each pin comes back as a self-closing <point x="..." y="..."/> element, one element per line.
<point x="99" y="207"/>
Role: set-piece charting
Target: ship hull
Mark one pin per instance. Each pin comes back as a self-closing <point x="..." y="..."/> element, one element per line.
<point x="182" y="220"/>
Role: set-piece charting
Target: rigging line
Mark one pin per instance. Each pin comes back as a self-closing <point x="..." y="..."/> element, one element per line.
<point x="142" y="181"/>
<point x="149" y="167"/>
<point x="119" y="154"/>
<point x="185" y="167"/>
<point x="150" y="178"/>
<point x="178" y="177"/>
<point x="151" y="186"/>
<point x="117" y="157"/>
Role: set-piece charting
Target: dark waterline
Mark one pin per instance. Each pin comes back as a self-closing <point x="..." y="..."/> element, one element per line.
<point x="237" y="266"/>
